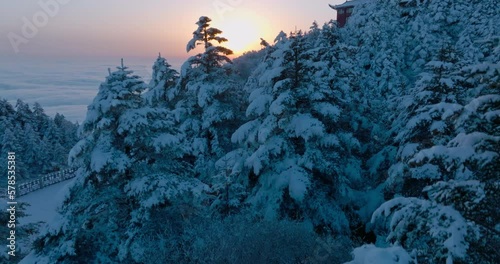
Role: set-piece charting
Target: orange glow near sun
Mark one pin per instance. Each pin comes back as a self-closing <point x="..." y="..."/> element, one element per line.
<point x="242" y="30"/>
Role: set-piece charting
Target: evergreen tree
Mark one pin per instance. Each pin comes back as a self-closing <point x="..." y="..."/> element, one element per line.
<point x="104" y="159"/>
<point x="214" y="56"/>
<point x="30" y="153"/>
<point x="130" y="162"/>
<point x="23" y="113"/>
<point x="207" y="111"/>
<point x="163" y="82"/>
<point x="6" y="114"/>
<point x="292" y="143"/>
<point x="56" y="155"/>
<point x="68" y="131"/>
<point x="280" y="37"/>
<point x="40" y="119"/>
<point x="11" y="142"/>
<point x="209" y="102"/>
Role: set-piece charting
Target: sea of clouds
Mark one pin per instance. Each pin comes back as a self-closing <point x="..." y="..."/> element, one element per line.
<point x="65" y="86"/>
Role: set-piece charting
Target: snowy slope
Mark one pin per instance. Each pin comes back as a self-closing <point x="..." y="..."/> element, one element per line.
<point x="44" y="203"/>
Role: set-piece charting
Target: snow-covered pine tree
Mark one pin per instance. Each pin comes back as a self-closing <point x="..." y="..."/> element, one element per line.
<point x="23" y="113"/>
<point x="40" y="119"/>
<point x="12" y="141"/>
<point x="282" y="36"/>
<point x="292" y="143"/>
<point x="99" y="131"/>
<point x="104" y="160"/>
<point x="30" y="152"/>
<point x="427" y="120"/>
<point x="68" y="131"/>
<point x="56" y="155"/>
<point x="131" y="175"/>
<point x="244" y="65"/>
<point x="7" y="111"/>
<point x="466" y="165"/>
<point x="448" y="142"/>
<point x="163" y="82"/>
<point x="163" y="186"/>
<point x="208" y="103"/>
<point x="214" y="56"/>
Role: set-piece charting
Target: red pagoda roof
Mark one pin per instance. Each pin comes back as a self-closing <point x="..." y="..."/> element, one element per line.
<point x="351" y="3"/>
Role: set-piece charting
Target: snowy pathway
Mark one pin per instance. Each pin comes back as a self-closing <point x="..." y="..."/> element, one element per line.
<point x="44" y="202"/>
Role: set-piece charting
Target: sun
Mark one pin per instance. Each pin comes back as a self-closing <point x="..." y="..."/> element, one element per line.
<point x="243" y="33"/>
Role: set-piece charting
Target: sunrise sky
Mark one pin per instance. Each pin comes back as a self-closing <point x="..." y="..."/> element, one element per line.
<point x="118" y="28"/>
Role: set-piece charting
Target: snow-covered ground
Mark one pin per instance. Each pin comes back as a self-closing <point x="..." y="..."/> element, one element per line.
<point x="44" y="202"/>
<point x="43" y="205"/>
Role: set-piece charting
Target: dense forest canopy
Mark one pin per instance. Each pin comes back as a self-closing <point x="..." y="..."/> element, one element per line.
<point x="380" y="138"/>
<point x="41" y="143"/>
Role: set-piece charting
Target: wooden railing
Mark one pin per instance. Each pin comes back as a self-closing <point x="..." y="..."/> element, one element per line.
<point x="42" y="182"/>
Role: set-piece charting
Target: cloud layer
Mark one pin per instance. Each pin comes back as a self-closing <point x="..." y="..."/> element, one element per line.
<point x="61" y="86"/>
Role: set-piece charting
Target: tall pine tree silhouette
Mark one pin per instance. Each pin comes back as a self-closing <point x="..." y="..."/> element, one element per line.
<point x="214" y="56"/>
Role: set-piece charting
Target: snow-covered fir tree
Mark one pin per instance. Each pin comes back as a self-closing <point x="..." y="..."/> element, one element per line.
<point x="163" y="82"/>
<point x="104" y="159"/>
<point x="213" y="56"/>
<point x="293" y="146"/>
<point x="209" y="103"/>
<point x="131" y="152"/>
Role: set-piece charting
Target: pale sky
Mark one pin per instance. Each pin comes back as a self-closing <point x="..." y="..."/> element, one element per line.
<point x="124" y="28"/>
